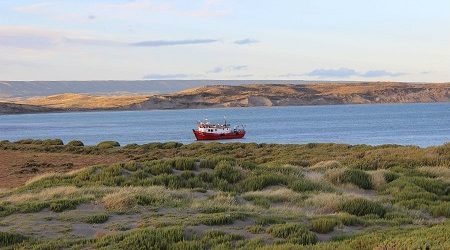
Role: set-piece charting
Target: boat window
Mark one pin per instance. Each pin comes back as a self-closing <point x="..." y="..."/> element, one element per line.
<point x="216" y="129"/>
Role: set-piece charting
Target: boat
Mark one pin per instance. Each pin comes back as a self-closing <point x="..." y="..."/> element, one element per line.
<point x="209" y="131"/>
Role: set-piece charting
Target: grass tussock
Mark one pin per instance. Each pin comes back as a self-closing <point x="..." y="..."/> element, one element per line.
<point x="96" y="218"/>
<point x="75" y="143"/>
<point x="324" y="225"/>
<point x="360" y="207"/>
<point x="219" y="218"/>
<point x="127" y="198"/>
<point x="356" y="177"/>
<point x="7" y="239"/>
<point x="378" y="178"/>
<point x="294" y="233"/>
<point x="274" y="195"/>
<point x="326" y="203"/>
<point x="265" y="180"/>
<point x="108" y="144"/>
<point x="326" y="165"/>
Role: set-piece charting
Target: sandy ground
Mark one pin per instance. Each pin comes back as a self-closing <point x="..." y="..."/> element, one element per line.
<point x="16" y="167"/>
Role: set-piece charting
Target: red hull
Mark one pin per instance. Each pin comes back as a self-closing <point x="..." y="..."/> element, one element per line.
<point x="212" y="136"/>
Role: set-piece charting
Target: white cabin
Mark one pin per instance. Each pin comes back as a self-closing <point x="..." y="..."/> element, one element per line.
<point x="207" y="127"/>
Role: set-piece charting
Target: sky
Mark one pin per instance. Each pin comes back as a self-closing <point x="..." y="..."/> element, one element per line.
<point x="351" y="40"/>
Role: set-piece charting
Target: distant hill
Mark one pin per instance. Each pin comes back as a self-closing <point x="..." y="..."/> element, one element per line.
<point x="85" y="102"/>
<point x="299" y="94"/>
<point x="14" y="89"/>
<point x="13" y="108"/>
<point x="249" y="95"/>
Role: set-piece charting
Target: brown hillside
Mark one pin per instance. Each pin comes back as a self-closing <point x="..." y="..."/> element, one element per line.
<point x="254" y="95"/>
<point x="80" y="102"/>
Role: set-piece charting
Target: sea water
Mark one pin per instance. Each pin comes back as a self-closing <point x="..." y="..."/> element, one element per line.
<point x="407" y="124"/>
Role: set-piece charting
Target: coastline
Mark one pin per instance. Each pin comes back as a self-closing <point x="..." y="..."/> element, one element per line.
<point x="252" y="95"/>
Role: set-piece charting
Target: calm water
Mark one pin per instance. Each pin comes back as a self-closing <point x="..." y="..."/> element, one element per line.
<point x="417" y="124"/>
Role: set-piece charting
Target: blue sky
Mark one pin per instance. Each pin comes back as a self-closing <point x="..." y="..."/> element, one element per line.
<point x="372" y="40"/>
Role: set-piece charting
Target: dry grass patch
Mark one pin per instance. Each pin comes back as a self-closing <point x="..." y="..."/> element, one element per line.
<point x="378" y="178"/>
<point x="287" y="211"/>
<point x="219" y="202"/>
<point x="335" y="175"/>
<point x="279" y="194"/>
<point x="127" y="198"/>
<point x="326" y="203"/>
<point x="41" y="177"/>
<point x="80" y="101"/>
<point x="46" y="194"/>
<point x="442" y="172"/>
<point x="325" y="165"/>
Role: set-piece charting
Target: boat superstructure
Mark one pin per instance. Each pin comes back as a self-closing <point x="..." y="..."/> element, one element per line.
<point x="209" y="131"/>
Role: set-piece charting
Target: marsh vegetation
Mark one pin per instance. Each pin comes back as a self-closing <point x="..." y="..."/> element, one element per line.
<point x="233" y="196"/>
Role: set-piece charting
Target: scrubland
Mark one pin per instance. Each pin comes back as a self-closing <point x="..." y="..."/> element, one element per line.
<point x="232" y="196"/>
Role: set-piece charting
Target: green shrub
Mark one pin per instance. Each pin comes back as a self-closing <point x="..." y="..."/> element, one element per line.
<point x="267" y="220"/>
<point x="256" y="229"/>
<point x="442" y="209"/>
<point x="249" y="165"/>
<point x="170" y="181"/>
<point x="362" y="207"/>
<point x="132" y="146"/>
<point x="390" y="176"/>
<point x="211" y="162"/>
<point x="97" y="219"/>
<point x="349" y="220"/>
<point x="304" y="185"/>
<point x="75" y="143"/>
<point x="225" y="171"/>
<point x="108" y="144"/>
<point x="431" y="185"/>
<point x="323" y="225"/>
<point x="28" y="141"/>
<point x="171" y="145"/>
<point x="358" y="178"/>
<point x="160" y="238"/>
<point x="219" y="240"/>
<point x="53" y="142"/>
<point x="261" y="201"/>
<point x="294" y="233"/>
<point x="146" y="200"/>
<point x="285" y="230"/>
<point x="405" y="189"/>
<point x="183" y="163"/>
<point x="158" y="167"/>
<point x="132" y="166"/>
<point x="220" y="218"/>
<point x="188" y="245"/>
<point x="64" y="204"/>
<point x="206" y="177"/>
<point x="262" y="181"/>
<point x="7" y="239"/>
<point x="32" y="206"/>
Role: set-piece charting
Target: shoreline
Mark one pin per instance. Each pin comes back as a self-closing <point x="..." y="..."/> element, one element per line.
<point x="59" y="111"/>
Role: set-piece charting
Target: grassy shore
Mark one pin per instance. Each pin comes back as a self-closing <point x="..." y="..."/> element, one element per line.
<point x="232" y="196"/>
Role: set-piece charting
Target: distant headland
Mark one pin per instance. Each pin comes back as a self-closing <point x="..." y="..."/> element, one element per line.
<point x="244" y="95"/>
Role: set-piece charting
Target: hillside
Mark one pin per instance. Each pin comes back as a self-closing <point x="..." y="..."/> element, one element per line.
<point x="13" y="108"/>
<point x="301" y="94"/>
<point x="79" y="101"/>
<point x="251" y="95"/>
<point x="26" y="89"/>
